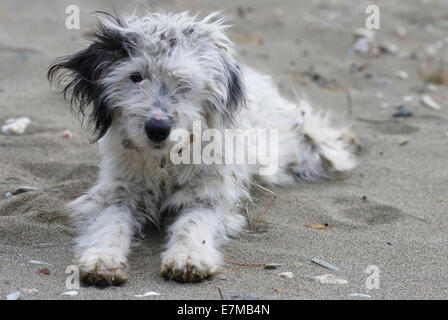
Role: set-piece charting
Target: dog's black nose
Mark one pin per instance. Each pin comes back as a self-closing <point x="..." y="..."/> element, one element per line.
<point x="157" y="130"/>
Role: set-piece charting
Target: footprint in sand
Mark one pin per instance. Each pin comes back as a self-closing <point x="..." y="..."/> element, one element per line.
<point x="364" y="212"/>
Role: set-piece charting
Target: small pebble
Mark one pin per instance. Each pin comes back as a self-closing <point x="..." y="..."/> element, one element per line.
<point x="360" y="295"/>
<point x="365" y="34"/>
<point x="16" y="125"/>
<point x="401" y="31"/>
<point x="14" y="295"/>
<point x="45" y="271"/>
<point x="222" y="277"/>
<point x="272" y="266"/>
<point x="38" y="263"/>
<point x="241" y="12"/>
<point x="286" y="275"/>
<point x="66" y="134"/>
<point x="298" y="265"/>
<point x="146" y="294"/>
<point x="383" y="81"/>
<point x="391" y="48"/>
<point x="69" y="293"/>
<point x="431" y="88"/>
<point x="388" y="48"/>
<point x="23" y="189"/>
<point x="429" y="102"/>
<point x="403" y="112"/>
<point x="402" y="75"/>
<point x="19" y="190"/>
<point x="330" y="279"/>
<point x="403" y="142"/>
<point x="361" y="45"/>
<point x="325" y="264"/>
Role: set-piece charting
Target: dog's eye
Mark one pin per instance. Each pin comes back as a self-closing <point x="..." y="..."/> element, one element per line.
<point x="136" y="77"/>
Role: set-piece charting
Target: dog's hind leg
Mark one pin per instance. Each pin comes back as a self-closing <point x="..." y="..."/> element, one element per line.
<point x="310" y="148"/>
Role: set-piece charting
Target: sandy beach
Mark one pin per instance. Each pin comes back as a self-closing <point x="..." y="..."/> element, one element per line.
<point x="390" y="212"/>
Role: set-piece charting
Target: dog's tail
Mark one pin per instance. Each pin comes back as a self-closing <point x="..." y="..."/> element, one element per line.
<point x="325" y="150"/>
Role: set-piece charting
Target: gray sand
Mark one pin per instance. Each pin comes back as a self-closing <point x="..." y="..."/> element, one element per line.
<point x="401" y="225"/>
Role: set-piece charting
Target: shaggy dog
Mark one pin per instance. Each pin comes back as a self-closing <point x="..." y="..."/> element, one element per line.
<point x="146" y="77"/>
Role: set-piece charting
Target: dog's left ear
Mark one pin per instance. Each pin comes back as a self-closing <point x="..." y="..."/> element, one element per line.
<point x="233" y="81"/>
<point x="228" y="90"/>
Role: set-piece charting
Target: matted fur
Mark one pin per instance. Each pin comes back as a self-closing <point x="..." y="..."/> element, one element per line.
<point x="179" y="68"/>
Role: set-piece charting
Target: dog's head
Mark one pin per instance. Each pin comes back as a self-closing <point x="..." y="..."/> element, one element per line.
<point x="148" y="76"/>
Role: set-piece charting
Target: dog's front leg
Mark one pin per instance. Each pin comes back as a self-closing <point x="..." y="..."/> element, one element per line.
<point x="191" y="252"/>
<point x="104" y="238"/>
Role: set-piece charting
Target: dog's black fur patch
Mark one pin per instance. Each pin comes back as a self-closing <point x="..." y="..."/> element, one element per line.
<point x="86" y="67"/>
<point x="232" y="81"/>
<point x="236" y="95"/>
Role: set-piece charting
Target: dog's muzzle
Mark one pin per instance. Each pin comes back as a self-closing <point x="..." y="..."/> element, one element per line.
<point x="157" y="130"/>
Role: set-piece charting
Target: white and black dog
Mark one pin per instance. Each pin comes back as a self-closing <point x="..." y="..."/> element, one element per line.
<point x="147" y="76"/>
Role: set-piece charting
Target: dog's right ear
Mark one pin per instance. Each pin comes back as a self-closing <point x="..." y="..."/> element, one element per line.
<point x="85" y="69"/>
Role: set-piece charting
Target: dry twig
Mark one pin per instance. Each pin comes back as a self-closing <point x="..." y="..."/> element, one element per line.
<point x="220" y="294"/>
<point x="248" y="218"/>
<point x="260" y="220"/>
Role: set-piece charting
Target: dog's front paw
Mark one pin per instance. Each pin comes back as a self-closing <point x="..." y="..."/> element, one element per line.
<point x="102" y="267"/>
<point x="189" y="265"/>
